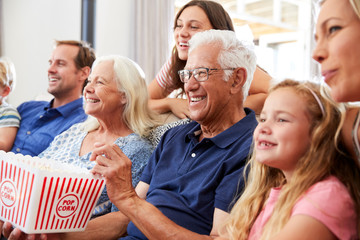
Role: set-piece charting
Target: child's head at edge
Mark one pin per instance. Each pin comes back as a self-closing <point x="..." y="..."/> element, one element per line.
<point x="7" y="78"/>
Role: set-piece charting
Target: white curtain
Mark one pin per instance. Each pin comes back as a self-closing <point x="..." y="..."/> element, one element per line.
<point x="153" y="34"/>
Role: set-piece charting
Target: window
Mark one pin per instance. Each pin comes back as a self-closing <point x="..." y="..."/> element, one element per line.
<point x="280" y="30"/>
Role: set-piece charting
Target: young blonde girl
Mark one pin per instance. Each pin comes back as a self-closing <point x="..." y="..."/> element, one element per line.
<point x="316" y="185"/>
<point x="9" y="116"/>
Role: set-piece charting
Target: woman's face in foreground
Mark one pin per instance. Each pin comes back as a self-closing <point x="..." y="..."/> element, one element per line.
<point x="338" y="49"/>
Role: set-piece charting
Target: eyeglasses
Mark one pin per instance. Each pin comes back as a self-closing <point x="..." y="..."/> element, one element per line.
<point x="200" y="74"/>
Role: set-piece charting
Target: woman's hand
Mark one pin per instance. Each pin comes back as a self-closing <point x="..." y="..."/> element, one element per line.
<point x="159" y="101"/>
<point x="179" y="107"/>
<point x="16" y="234"/>
<point x="258" y="90"/>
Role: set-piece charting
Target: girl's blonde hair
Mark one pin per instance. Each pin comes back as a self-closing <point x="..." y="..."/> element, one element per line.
<point x="324" y="157"/>
<point x="7" y="73"/>
<point x="130" y="79"/>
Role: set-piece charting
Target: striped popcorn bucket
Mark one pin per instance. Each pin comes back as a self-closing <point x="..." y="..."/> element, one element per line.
<point x="42" y="196"/>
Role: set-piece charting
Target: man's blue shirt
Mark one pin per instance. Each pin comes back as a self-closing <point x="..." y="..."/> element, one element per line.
<point x="189" y="179"/>
<point x="40" y="124"/>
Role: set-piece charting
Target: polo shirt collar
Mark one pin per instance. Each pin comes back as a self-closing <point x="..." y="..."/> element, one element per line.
<point x="48" y="105"/>
<point x="227" y="137"/>
<point x="67" y="109"/>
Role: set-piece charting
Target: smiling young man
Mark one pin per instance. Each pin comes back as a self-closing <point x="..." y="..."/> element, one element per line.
<point x="41" y="121"/>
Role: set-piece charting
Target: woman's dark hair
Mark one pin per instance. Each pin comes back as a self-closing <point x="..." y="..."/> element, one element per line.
<point x="218" y="18"/>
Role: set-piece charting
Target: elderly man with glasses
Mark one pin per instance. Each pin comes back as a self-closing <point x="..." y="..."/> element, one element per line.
<point x="195" y="173"/>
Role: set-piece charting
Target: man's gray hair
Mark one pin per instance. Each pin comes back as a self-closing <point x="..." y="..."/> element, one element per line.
<point x="234" y="53"/>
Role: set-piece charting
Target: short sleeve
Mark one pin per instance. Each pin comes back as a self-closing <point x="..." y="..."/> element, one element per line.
<point x="9" y="117"/>
<point x="330" y="203"/>
<point x="163" y="77"/>
<point x="231" y="184"/>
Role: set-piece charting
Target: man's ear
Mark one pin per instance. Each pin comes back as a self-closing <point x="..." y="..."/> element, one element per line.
<point x="85" y="72"/>
<point x="239" y="80"/>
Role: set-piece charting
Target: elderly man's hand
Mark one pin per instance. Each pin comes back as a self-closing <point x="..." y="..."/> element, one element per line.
<point x="115" y="166"/>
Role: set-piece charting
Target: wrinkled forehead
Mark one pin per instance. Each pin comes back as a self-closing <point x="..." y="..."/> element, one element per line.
<point x="204" y="55"/>
<point x="103" y="69"/>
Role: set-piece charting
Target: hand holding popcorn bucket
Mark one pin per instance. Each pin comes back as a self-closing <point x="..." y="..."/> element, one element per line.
<point x="42" y="196"/>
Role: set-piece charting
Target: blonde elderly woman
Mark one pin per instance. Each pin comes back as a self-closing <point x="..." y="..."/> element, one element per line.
<point x="116" y="100"/>
<point x="9" y="116"/>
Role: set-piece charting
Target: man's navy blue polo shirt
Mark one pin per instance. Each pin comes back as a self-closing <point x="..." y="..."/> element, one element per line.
<point x="188" y="179"/>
